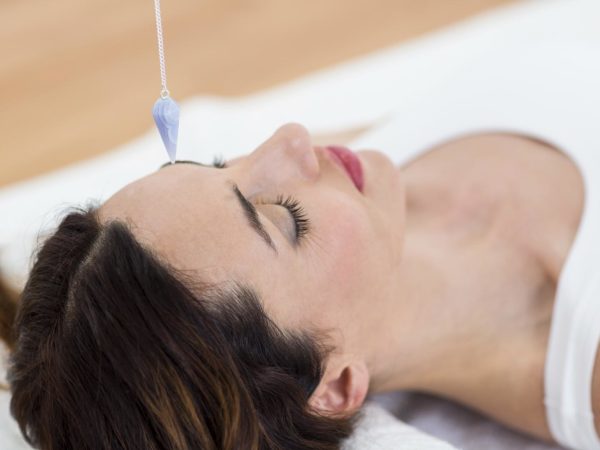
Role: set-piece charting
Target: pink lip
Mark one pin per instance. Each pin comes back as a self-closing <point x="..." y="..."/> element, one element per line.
<point x="349" y="162"/>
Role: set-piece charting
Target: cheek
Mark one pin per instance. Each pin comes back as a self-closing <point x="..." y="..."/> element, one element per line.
<point x="344" y="252"/>
<point x="346" y="260"/>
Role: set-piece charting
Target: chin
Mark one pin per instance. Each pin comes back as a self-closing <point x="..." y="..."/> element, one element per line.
<point x="380" y="174"/>
<point x="384" y="186"/>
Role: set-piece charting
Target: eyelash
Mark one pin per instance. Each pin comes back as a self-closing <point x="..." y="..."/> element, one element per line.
<point x="300" y="218"/>
<point x="301" y="221"/>
<point x="219" y="162"/>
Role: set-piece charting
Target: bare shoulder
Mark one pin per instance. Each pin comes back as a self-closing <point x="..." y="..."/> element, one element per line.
<point x="540" y="187"/>
<point x="596" y="393"/>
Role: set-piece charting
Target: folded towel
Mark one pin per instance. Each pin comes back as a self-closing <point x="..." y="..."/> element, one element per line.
<point x="380" y="430"/>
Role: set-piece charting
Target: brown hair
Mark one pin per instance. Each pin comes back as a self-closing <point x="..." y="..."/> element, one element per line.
<point x="8" y="310"/>
<point x="116" y="349"/>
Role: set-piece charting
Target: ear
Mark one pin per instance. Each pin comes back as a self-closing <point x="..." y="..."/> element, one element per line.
<point x="342" y="389"/>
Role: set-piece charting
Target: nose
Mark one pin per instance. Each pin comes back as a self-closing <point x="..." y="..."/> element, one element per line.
<point x="287" y="156"/>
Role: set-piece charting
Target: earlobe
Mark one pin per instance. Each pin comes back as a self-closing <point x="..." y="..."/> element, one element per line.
<point x="342" y="391"/>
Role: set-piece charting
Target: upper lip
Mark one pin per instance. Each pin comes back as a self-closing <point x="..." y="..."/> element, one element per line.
<point x="333" y="159"/>
<point x="332" y="156"/>
<point x="338" y="162"/>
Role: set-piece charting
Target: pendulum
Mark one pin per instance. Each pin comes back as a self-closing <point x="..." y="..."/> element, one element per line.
<point x="165" y="110"/>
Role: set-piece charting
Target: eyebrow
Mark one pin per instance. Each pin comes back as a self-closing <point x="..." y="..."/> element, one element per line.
<point x="249" y="210"/>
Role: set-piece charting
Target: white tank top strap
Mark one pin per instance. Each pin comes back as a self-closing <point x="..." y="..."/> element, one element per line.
<point x="575" y="333"/>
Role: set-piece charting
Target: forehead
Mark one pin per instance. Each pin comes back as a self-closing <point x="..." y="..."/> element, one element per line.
<point x="190" y="216"/>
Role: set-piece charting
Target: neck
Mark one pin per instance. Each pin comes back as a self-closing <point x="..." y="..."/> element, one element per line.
<point x="461" y="305"/>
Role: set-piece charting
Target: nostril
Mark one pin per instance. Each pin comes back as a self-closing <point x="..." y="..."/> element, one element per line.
<point x="311" y="163"/>
<point x="297" y="144"/>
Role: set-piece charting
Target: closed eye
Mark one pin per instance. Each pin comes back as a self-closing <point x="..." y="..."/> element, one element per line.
<point x="301" y="221"/>
<point x="297" y="213"/>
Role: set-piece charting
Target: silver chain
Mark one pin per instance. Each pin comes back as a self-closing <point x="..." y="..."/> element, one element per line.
<point x="164" y="93"/>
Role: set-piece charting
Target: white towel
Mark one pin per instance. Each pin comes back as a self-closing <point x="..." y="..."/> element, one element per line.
<point x="380" y="430"/>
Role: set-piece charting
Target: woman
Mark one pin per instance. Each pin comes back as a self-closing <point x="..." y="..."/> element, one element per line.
<point x="254" y="304"/>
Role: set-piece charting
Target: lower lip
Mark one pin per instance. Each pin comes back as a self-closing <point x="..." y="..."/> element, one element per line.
<point x="350" y="162"/>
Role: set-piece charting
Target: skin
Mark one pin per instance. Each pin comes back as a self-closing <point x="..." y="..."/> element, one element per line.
<point x="432" y="279"/>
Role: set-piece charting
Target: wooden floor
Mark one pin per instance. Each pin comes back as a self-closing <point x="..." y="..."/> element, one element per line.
<point x="79" y="77"/>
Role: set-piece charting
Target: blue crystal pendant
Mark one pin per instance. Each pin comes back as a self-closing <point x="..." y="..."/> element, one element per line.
<point x="166" y="116"/>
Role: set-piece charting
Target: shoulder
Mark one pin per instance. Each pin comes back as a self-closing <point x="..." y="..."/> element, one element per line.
<point x="541" y="187"/>
<point x="596" y="393"/>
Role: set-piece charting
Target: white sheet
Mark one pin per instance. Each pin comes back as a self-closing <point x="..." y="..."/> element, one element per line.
<point x="359" y="92"/>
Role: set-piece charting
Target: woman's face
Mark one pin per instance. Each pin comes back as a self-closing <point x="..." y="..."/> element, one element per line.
<point x="334" y="274"/>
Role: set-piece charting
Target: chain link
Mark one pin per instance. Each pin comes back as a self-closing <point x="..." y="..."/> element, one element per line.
<point x="164" y="93"/>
